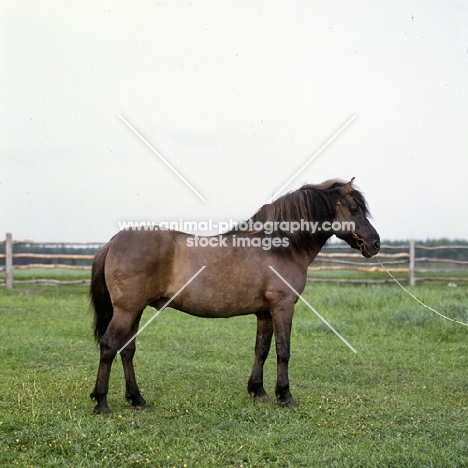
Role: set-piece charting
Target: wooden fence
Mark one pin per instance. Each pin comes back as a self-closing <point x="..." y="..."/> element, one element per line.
<point x="34" y="260"/>
<point x="406" y="264"/>
<point x="331" y="259"/>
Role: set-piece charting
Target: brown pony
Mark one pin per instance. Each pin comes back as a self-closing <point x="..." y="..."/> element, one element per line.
<point x="140" y="268"/>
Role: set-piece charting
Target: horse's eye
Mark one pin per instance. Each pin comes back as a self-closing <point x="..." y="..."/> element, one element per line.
<point x="354" y="210"/>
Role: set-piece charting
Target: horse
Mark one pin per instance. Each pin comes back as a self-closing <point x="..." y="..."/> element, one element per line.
<point x="139" y="268"/>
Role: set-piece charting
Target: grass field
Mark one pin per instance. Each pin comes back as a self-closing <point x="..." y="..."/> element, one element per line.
<point x="401" y="401"/>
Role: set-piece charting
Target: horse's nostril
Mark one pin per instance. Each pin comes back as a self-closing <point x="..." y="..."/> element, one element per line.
<point x="377" y="245"/>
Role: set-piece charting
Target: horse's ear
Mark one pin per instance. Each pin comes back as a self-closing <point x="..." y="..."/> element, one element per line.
<point x="346" y="188"/>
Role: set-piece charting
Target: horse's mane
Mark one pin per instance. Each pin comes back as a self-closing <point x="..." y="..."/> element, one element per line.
<point x="311" y="203"/>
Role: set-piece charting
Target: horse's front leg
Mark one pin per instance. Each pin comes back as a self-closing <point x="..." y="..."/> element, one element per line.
<point x="282" y="314"/>
<point x="262" y="348"/>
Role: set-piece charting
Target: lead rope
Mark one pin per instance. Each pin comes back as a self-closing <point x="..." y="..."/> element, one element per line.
<point x="418" y="300"/>
<point x="360" y="244"/>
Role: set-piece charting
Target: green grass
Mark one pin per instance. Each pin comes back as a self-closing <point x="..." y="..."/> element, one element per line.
<point x="401" y="401"/>
<point x="60" y="274"/>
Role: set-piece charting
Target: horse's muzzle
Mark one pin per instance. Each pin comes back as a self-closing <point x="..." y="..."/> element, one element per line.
<point x="371" y="249"/>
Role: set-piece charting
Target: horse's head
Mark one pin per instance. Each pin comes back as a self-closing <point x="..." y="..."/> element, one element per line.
<point x="352" y="223"/>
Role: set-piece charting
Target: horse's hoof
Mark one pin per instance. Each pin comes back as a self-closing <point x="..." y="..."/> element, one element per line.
<point x="261" y="398"/>
<point x="139" y="407"/>
<point x="103" y="410"/>
<point x="288" y="404"/>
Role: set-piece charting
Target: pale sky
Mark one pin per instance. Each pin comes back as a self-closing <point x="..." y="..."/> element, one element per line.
<point x="237" y="97"/>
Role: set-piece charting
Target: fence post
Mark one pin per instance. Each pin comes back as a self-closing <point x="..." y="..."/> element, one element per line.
<point x="412" y="280"/>
<point x="9" y="261"/>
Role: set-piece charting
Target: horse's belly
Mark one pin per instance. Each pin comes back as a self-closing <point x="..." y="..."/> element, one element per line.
<point x="219" y="303"/>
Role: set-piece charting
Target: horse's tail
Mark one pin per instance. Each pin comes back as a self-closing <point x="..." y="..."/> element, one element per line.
<point x="99" y="294"/>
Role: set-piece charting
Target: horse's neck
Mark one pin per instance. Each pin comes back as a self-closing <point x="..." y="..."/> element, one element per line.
<point x="305" y="259"/>
<point x="320" y="242"/>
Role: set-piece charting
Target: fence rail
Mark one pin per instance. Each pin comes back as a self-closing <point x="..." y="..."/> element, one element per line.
<point x="406" y="263"/>
<point x="401" y="263"/>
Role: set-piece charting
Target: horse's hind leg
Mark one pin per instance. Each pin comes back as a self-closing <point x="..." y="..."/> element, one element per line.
<point x="132" y="392"/>
<point x="112" y="340"/>
<point x="262" y="348"/>
<point x="102" y="381"/>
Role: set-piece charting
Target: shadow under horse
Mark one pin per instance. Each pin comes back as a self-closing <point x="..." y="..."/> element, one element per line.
<point x="137" y="268"/>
